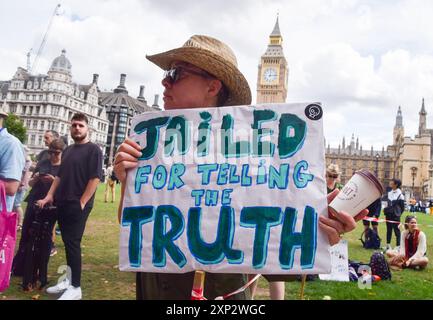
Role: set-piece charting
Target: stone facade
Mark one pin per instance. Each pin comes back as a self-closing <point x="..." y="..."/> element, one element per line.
<point x="48" y="102"/>
<point x="352" y="157"/>
<point x="408" y="159"/>
<point x="273" y="72"/>
<point x="120" y="108"/>
<point x="414" y="159"/>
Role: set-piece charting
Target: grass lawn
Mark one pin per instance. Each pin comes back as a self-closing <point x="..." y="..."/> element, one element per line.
<point x="102" y="280"/>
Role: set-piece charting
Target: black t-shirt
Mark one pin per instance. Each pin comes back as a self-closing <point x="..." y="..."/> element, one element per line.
<point x="80" y="163"/>
<point x="40" y="189"/>
<point x="41" y="157"/>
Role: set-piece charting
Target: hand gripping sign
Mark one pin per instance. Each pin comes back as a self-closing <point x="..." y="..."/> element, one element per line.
<point x="232" y="189"/>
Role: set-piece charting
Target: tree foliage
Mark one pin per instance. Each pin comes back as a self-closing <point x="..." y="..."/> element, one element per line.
<point x="16" y="127"/>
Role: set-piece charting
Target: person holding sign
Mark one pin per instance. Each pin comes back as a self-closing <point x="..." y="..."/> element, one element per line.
<point x="202" y="73"/>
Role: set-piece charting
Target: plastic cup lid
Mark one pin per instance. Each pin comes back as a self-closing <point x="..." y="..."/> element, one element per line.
<point x="368" y="175"/>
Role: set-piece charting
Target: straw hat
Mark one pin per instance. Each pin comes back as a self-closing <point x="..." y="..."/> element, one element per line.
<point x="333" y="169"/>
<point x="216" y="58"/>
<point x="3" y="113"/>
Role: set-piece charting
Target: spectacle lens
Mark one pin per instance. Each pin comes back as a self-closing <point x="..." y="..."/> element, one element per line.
<point x="173" y="75"/>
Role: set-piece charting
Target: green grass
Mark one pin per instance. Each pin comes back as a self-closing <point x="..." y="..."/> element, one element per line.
<point x="101" y="278"/>
<point x="405" y="285"/>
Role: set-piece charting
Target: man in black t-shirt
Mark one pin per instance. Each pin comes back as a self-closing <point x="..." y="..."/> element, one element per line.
<point x="74" y="191"/>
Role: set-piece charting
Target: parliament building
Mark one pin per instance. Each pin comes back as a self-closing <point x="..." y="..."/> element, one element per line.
<point x="48" y="101"/>
<point x="408" y="159"/>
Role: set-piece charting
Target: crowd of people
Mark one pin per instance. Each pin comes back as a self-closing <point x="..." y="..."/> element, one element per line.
<point x="63" y="184"/>
<point x="202" y="73"/>
<point x="410" y="250"/>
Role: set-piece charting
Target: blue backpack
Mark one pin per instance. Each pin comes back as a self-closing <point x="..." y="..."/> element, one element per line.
<point x="371" y="239"/>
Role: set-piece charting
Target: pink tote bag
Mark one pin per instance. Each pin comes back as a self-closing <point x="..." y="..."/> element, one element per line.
<point x="8" y="237"/>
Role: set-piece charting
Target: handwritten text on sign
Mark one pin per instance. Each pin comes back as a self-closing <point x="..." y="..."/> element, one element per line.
<point x="234" y="189"/>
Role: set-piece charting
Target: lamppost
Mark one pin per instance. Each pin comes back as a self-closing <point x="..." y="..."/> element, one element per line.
<point x="377" y="165"/>
<point x="414" y="170"/>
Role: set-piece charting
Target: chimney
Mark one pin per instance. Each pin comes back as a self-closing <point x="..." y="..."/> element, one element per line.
<point x="121" y="88"/>
<point x="141" y="95"/>
<point x="95" y="78"/>
<point x="122" y="80"/>
<point x="155" y="104"/>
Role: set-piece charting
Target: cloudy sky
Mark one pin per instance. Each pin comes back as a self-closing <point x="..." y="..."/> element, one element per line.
<point x="360" y="58"/>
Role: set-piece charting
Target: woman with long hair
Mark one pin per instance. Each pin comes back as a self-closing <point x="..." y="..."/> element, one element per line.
<point x="413" y="249"/>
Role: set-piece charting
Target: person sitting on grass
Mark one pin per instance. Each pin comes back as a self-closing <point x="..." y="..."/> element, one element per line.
<point x="413" y="249"/>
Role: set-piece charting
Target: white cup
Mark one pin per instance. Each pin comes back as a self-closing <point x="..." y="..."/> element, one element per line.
<point x="358" y="193"/>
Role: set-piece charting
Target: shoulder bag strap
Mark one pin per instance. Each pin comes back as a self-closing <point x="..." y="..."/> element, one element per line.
<point x="3" y="197"/>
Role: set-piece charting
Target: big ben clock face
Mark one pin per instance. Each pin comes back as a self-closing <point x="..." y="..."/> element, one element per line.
<point x="270" y="75"/>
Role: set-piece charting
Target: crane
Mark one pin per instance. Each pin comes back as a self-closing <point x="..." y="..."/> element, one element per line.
<point x="33" y="67"/>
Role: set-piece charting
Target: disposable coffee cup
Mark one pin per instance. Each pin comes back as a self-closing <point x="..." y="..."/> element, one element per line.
<point x="361" y="191"/>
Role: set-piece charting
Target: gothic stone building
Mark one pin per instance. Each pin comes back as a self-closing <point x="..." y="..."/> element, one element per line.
<point x="352" y="157"/>
<point x="408" y="159"/>
<point x="414" y="157"/>
<point x="273" y="72"/>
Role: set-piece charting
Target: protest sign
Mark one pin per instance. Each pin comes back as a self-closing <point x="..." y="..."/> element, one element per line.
<point x="339" y="263"/>
<point x="232" y="189"/>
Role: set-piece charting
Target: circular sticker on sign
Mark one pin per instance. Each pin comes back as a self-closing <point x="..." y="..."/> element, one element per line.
<point x="314" y="112"/>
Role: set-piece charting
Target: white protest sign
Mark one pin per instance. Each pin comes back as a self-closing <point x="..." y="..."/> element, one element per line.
<point x="339" y="263"/>
<point x="227" y="190"/>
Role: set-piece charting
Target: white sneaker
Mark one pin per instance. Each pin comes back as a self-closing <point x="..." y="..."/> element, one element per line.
<point x="59" y="288"/>
<point x="71" y="293"/>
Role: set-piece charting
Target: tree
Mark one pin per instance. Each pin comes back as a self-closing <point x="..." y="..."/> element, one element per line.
<point x="16" y="127"/>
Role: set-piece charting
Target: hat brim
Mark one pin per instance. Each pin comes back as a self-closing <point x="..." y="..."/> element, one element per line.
<point x="233" y="79"/>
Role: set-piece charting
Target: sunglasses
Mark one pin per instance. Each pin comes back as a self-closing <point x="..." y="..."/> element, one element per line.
<point x="56" y="152"/>
<point x="174" y="74"/>
<point x="332" y="176"/>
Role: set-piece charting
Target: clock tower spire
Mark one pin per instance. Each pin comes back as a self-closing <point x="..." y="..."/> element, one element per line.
<point x="273" y="71"/>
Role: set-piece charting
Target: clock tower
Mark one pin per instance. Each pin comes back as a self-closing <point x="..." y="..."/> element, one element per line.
<point x="273" y="71"/>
